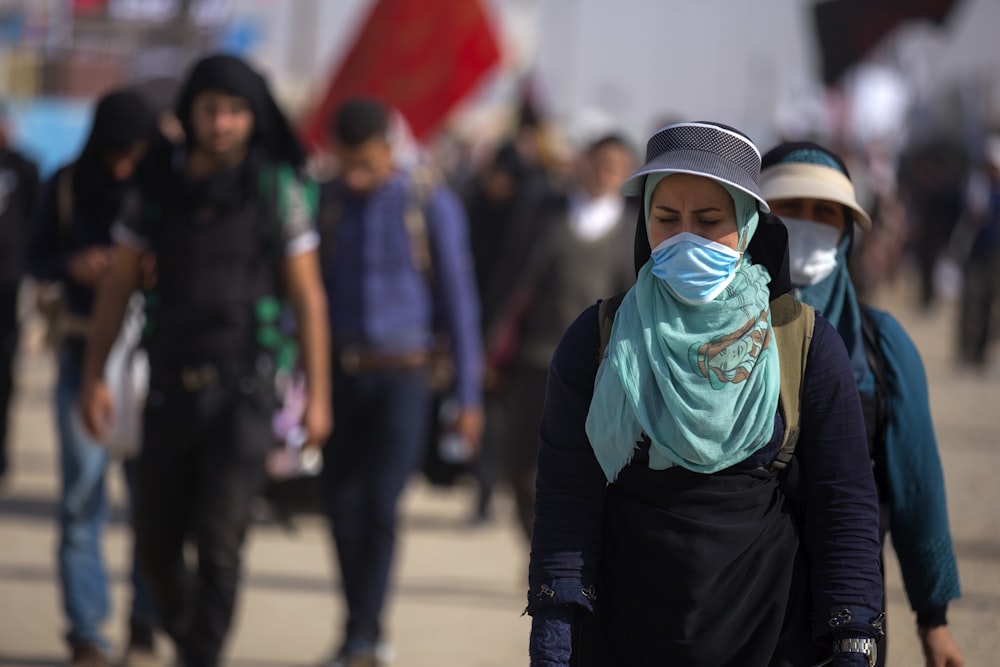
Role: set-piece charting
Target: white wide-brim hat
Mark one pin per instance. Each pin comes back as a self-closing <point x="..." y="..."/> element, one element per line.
<point x="806" y="180"/>
<point x="701" y="149"/>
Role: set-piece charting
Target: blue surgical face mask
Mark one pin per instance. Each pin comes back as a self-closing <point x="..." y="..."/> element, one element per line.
<point x="695" y="269"/>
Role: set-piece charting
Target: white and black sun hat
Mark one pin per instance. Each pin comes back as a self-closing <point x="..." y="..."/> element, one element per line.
<point x="703" y="149"/>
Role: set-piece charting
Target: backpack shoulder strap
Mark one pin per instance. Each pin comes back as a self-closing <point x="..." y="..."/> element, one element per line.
<point x="64" y="205"/>
<point x="792" y="324"/>
<point x="606" y="311"/>
<point x="876" y="361"/>
<point x="423" y="182"/>
<point x="270" y="182"/>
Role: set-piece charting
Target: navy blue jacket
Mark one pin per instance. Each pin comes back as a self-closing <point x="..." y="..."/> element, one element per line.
<point x="839" y="519"/>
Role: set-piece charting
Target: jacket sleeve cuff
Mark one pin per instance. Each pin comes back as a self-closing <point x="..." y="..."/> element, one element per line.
<point x="934" y="617"/>
<point x="848" y="621"/>
<point x="551" y="643"/>
<point x="560" y="592"/>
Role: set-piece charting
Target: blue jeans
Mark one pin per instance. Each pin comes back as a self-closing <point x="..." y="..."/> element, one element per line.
<point x="83" y="514"/>
<point x="381" y="428"/>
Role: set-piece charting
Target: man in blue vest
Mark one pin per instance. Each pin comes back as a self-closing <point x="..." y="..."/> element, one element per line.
<point x="397" y="268"/>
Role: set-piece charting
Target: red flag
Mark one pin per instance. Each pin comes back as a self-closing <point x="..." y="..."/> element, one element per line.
<point x="418" y="57"/>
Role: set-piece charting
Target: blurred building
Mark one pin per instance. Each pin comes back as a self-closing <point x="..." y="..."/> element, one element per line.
<point x="590" y="63"/>
<point x="81" y="48"/>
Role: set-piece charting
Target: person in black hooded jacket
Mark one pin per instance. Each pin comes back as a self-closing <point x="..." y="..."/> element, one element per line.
<point x="230" y="220"/>
<point x="18" y="187"/>
<point x="70" y="245"/>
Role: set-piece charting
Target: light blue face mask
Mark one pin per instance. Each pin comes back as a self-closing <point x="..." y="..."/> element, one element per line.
<point x="695" y="269"/>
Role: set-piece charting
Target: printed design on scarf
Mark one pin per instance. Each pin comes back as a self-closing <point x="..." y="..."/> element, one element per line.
<point x="730" y="359"/>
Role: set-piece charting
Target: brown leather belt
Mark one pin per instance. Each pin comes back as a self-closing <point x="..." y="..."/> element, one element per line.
<point x="195" y="378"/>
<point x="355" y="359"/>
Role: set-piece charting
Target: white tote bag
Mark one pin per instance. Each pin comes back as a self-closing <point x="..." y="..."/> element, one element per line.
<point x="127" y="375"/>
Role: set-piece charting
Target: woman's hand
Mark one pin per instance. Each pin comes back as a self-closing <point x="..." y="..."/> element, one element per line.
<point x="940" y="650"/>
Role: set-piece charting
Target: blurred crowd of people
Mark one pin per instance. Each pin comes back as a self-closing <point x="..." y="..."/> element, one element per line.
<point x="427" y="293"/>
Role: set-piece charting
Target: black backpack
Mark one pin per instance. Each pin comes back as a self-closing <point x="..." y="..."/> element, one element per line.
<point x="877" y="417"/>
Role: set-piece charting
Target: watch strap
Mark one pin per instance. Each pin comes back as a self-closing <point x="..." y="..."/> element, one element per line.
<point x="862" y="645"/>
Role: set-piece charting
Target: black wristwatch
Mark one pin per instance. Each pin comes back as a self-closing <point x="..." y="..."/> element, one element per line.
<point x="857" y="645"/>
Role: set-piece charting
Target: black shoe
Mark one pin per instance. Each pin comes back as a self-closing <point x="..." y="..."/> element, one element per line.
<point x="355" y="654"/>
<point x="87" y="654"/>
<point x="141" y="651"/>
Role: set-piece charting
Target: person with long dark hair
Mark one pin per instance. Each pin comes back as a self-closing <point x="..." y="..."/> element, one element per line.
<point x="71" y="246"/>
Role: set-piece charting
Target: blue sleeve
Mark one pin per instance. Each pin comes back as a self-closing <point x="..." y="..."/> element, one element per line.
<point x="918" y="519"/>
<point x="840" y="506"/>
<point x="455" y="292"/>
<point x="47" y="253"/>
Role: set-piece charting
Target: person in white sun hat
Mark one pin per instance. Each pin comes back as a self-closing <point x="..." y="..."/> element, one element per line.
<point x="810" y="189"/>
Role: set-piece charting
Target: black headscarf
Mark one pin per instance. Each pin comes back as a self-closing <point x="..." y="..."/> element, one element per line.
<point x="271" y="131"/>
<point x="122" y="119"/>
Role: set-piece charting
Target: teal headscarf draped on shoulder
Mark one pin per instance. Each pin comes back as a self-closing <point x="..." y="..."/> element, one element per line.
<point x="700" y="381"/>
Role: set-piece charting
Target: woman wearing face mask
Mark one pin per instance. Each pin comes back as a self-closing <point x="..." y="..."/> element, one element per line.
<point x="664" y="533"/>
<point x="808" y="187"/>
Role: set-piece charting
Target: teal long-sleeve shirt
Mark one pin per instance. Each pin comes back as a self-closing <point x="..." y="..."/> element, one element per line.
<point x="918" y="521"/>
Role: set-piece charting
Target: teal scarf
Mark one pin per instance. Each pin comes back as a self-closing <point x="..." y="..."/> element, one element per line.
<point x="835" y="299"/>
<point x="701" y="381"/>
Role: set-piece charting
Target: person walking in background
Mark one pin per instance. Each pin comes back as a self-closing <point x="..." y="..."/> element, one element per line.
<point x="977" y="243"/>
<point x="397" y="268"/>
<point x="676" y="521"/>
<point x="18" y="188"/>
<point x="503" y="208"/>
<point x="809" y="188"/>
<point x="230" y="221"/>
<point x="567" y="253"/>
<point x="932" y="173"/>
<point x="71" y="246"/>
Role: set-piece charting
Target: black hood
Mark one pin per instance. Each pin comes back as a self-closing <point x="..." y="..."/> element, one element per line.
<point x="272" y="132"/>
<point x="768" y="247"/>
<point x="122" y="120"/>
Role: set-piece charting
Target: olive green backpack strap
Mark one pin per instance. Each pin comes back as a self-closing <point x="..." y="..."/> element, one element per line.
<point x="792" y="324"/>
<point x="606" y="317"/>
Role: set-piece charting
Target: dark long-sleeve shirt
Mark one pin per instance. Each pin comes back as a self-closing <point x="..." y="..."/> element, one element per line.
<point x="379" y="298"/>
<point x="18" y="190"/>
<point x="839" y="516"/>
<point x="54" y="240"/>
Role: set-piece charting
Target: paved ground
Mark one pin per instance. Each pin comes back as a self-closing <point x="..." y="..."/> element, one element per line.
<point x="460" y="591"/>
